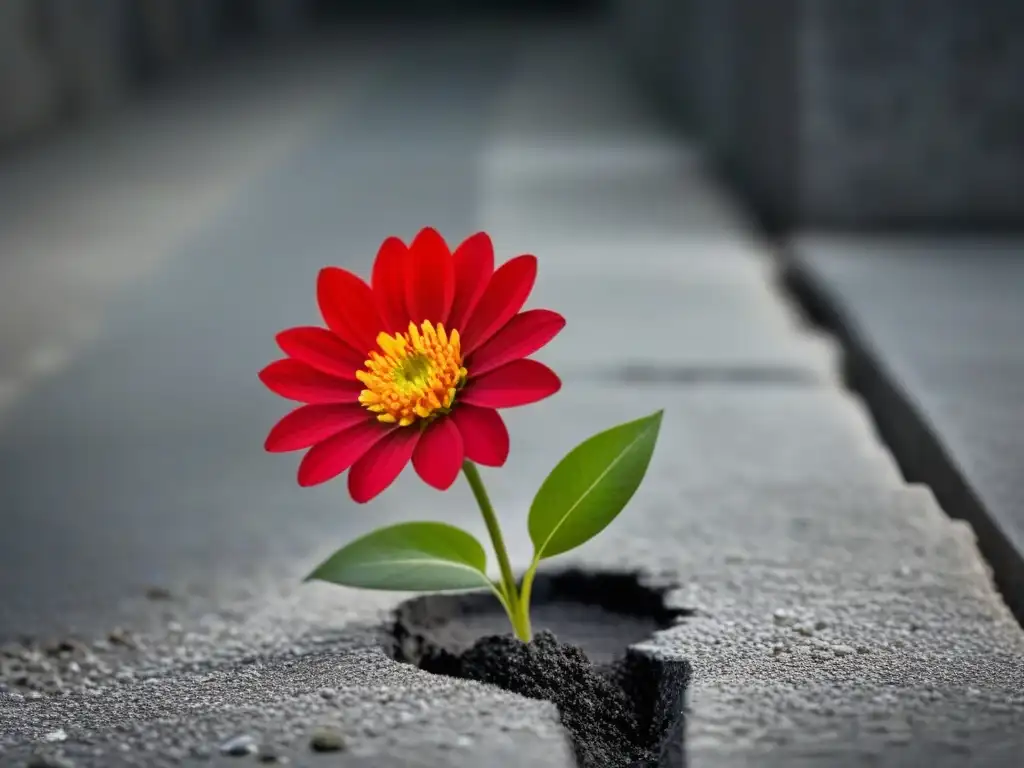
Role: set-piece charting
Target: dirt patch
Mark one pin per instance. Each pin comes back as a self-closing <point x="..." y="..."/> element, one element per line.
<point x="623" y="709"/>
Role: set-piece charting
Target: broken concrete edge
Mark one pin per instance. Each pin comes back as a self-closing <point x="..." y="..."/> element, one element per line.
<point x="901" y="423"/>
<point x="351" y="678"/>
<point x="381" y="712"/>
<point x="617" y="711"/>
<point x="484" y="725"/>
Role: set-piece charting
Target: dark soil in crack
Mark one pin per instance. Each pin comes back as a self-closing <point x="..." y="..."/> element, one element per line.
<point x="623" y="709"/>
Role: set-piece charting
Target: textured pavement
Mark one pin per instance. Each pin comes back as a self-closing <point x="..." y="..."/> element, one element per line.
<point x="840" y="615"/>
<point x="934" y="327"/>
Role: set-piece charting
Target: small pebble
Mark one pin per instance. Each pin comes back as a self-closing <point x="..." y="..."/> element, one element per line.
<point x="267" y="754"/>
<point x="239" y="746"/>
<point x="121" y="637"/>
<point x="783" y="618"/>
<point x="55" y="737"/>
<point x="326" y="739"/>
<point x="328" y="693"/>
<point x="843" y="650"/>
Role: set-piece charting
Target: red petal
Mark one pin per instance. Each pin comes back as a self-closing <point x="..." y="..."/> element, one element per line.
<point x="430" y="278"/>
<point x="328" y="459"/>
<point x="321" y="349"/>
<point x="311" y="424"/>
<point x="517" y="383"/>
<point x="523" y="335"/>
<point x="438" y="457"/>
<point x="298" y="381"/>
<point x="384" y="462"/>
<point x="388" y="282"/>
<point x="474" y="265"/>
<point x="484" y="434"/>
<point x="348" y="307"/>
<point x="505" y="295"/>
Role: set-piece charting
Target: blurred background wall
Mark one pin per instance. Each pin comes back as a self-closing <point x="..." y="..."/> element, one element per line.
<point x="865" y="114"/>
<point x="66" y="59"/>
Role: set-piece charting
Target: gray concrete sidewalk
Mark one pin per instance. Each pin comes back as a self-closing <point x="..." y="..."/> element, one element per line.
<point x="933" y="327"/>
<point x="840" y="615"/>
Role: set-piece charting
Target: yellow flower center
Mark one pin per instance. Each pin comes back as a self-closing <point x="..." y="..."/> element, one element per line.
<point x="415" y="375"/>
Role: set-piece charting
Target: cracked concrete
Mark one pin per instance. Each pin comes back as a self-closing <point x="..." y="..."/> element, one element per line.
<point x="841" y="616"/>
<point x="933" y="326"/>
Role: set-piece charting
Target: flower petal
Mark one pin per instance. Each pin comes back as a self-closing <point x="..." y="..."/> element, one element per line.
<point x="523" y="335"/>
<point x="321" y="349"/>
<point x="474" y="265"/>
<point x="382" y="464"/>
<point x="429" y="278"/>
<point x="517" y="383"/>
<point x="388" y="282"/>
<point x="484" y="434"/>
<point x="310" y="424"/>
<point x="438" y="457"/>
<point x="348" y="307"/>
<point x="505" y="295"/>
<point x="328" y="459"/>
<point x="296" y="380"/>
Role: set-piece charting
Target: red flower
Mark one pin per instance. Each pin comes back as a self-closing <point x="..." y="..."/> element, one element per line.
<point x="414" y="367"/>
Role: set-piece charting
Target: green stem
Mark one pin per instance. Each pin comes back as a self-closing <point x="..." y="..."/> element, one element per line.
<point x="524" y="597"/>
<point x="508" y="581"/>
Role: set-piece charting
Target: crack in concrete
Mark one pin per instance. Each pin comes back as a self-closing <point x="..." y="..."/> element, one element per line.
<point x="918" y="452"/>
<point x="754" y="375"/>
<point x="623" y="707"/>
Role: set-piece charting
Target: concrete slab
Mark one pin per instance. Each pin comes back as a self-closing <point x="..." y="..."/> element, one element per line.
<point x="608" y="186"/>
<point x="933" y="328"/>
<point x="679" y="323"/>
<point x="712" y="437"/>
<point x="833" y="626"/>
<point x="386" y="713"/>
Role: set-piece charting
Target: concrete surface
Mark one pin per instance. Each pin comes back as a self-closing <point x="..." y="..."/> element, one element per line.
<point x="105" y="206"/>
<point x="934" y="328"/>
<point x="139" y="464"/>
<point x="835" y="627"/>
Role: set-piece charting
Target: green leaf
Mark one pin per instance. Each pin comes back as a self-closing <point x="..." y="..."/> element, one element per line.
<point x="409" y="557"/>
<point x="590" y="486"/>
